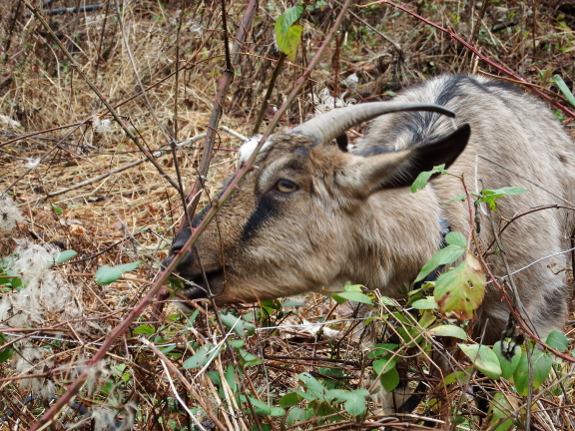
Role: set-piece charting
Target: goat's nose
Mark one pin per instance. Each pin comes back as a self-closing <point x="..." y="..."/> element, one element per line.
<point x="166" y="262"/>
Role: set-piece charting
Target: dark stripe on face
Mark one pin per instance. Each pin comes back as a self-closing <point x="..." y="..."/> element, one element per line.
<point x="265" y="210"/>
<point x="200" y="216"/>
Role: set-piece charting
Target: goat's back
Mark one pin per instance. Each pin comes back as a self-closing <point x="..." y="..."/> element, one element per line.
<point x="515" y="141"/>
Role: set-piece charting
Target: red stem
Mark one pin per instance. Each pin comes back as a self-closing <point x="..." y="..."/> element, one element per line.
<point x="478" y="54"/>
<point x="75" y="387"/>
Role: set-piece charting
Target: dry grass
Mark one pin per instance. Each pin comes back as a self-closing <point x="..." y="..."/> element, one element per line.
<point x="63" y="165"/>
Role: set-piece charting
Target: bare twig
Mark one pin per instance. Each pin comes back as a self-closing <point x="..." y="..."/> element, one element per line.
<point x="112" y="111"/>
<point x="166" y="363"/>
<point x="269" y="92"/>
<point x="478" y="54"/>
<point x="225" y="82"/>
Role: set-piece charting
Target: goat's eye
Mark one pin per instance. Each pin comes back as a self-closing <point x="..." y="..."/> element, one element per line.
<point x="286" y="186"/>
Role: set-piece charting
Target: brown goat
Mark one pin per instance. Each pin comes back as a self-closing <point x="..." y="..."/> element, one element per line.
<point x="311" y="216"/>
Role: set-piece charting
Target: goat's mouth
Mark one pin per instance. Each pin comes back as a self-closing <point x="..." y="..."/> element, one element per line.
<point x="204" y="285"/>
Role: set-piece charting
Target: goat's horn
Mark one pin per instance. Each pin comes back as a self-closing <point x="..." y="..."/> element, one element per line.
<point x="334" y="123"/>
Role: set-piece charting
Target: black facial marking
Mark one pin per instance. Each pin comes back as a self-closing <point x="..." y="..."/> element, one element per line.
<point x="265" y="210"/>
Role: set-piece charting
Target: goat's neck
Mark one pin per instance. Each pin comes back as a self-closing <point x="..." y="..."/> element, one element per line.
<point x="397" y="239"/>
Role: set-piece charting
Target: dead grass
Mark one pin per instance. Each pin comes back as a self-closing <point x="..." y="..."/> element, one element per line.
<point x="123" y="215"/>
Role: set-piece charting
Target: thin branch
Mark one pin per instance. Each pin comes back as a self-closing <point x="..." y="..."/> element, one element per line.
<point x="166" y="363"/>
<point x="478" y="54"/>
<point x="269" y="92"/>
<point x="225" y="82"/>
<point x="137" y="75"/>
<point x="112" y="111"/>
<point x="87" y="8"/>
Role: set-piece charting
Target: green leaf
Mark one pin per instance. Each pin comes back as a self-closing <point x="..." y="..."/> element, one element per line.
<point x="427" y="319"/>
<point x="356" y="404"/>
<point x="556" y="340"/>
<point x="421" y="181"/>
<point x="331" y="383"/>
<point x="382" y="350"/>
<point x="144" y="329"/>
<point x="273" y="304"/>
<point x="461" y="197"/>
<point x="323" y="409"/>
<point x="456" y="238"/>
<point x="461" y="377"/>
<point x="204" y="355"/>
<point x="108" y="274"/>
<point x="423" y="177"/>
<point x="290" y="400"/>
<point x="500" y="409"/>
<point x="314" y="386"/>
<point x="237" y="344"/>
<point x="460" y="291"/>
<point x="504" y="191"/>
<point x="249" y="359"/>
<point x="288" y="41"/>
<point x="5" y="353"/>
<point x="298" y="415"/>
<point x="489" y="196"/>
<point x="427" y="303"/>
<point x="352" y="296"/>
<point x="508" y="367"/>
<point x="291" y="303"/>
<point x="290" y="16"/>
<point x="390" y="380"/>
<point x="352" y="292"/>
<point x="57" y="210"/>
<point x="483" y="358"/>
<point x="564" y="89"/>
<point x="385" y="300"/>
<point x="239" y="326"/>
<point x="306" y="395"/>
<point x="354" y="400"/>
<point x="449" y="331"/>
<point x="192" y="319"/>
<point x="261" y="408"/>
<point x="215" y="378"/>
<point x="541" y="367"/>
<point x="167" y="349"/>
<point x="449" y="254"/>
<point x="65" y="255"/>
<point x="382" y="366"/>
<point x="385" y="370"/>
<point x="230" y="376"/>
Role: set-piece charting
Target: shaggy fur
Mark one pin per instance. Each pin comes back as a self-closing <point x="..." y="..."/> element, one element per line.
<point x="352" y="218"/>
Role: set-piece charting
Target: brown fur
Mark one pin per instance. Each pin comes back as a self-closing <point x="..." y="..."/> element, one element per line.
<point x="341" y="225"/>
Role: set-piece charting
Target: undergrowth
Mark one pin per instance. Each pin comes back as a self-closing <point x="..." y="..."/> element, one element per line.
<point x="86" y="194"/>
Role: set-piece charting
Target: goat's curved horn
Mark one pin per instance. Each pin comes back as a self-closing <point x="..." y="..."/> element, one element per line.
<point x="332" y="124"/>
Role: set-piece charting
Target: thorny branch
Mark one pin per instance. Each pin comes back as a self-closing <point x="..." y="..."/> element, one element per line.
<point x="217" y="111"/>
<point x="477" y="53"/>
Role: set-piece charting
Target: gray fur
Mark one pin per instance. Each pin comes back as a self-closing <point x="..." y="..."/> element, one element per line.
<point x="352" y="218"/>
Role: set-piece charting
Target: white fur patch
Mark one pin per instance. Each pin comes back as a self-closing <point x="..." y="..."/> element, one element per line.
<point x="247" y="149"/>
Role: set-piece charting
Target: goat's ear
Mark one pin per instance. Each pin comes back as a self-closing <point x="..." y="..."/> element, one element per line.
<point x="342" y="142"/>
<point x="365" y="175"/>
